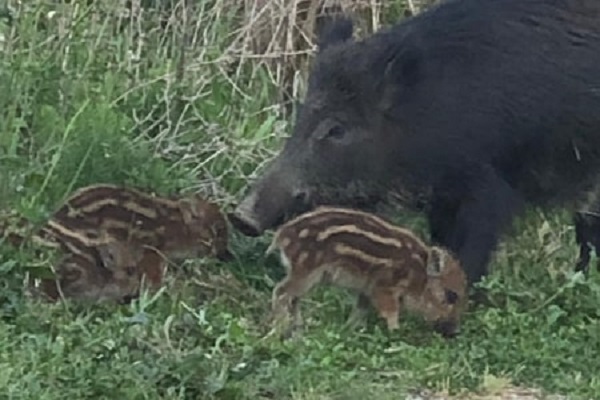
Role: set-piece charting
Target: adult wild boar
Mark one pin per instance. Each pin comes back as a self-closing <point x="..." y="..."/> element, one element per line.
<point x="480" y="107"/>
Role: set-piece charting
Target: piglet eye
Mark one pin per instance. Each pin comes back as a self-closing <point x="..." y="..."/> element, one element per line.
<point x="451" y="297"/>
<point x="336" y="132"/>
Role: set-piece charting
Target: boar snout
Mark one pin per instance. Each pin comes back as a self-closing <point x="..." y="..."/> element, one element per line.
<point x="243" y="222"/>
<point x="247" y="217"/>
<point x="253" y="216"/>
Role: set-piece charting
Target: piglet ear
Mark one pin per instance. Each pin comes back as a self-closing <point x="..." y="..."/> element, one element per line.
<point x="188" y="210"/>
<point x="436" y="261"/>
<point x="72" y="272"/>
<point x="108" y="254"/>
<point x="333" y="29"/>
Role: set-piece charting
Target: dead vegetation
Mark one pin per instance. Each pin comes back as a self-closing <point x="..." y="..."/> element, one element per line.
<point x="280" y="34"/>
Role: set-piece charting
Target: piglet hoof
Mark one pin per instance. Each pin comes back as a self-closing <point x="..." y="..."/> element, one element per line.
<point x="354" y="322"/>
<point x="278" y="333"/>
<point x="128" y="299"/>
<point x="281" y="328"/>
<point x="392" y="322"/>
<point x="283" y="334"/>
<point x="292" y="332"/>
<point x="393" y="327"/>
<point x="225" y="256"/>
<point x="356" y="319"/>
<point x="290" y="335"/>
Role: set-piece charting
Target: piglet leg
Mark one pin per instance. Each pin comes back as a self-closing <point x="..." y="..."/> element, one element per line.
<point x="286" y="301"/>
<point x="359" y="312"/>
<point x="281" y="306"/>
<point x="387" y="304"/>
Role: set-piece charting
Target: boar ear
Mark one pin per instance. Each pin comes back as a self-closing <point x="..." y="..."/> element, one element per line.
<point x="405" y="66"/>
<point x="436" y="261"/>
<point x="402" y="72"/>
<point x="333" y="29"/>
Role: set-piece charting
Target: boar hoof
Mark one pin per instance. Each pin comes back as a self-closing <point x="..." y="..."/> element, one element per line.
<point x="244" y="225"/>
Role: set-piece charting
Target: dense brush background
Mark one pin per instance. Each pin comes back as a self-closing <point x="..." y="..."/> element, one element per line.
<point x="186" y="96"/>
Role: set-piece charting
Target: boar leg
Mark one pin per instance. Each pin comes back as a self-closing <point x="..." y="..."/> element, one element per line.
<point x="582" y="234"/>
<point x="488" y="207"/>
<point x="587" y="236"/>
<point x="359" y="311"/>
<point x="441" y="220"/>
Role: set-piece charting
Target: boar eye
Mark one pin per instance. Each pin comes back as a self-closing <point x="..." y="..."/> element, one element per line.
<point x="451" y="297"/>
<point x="336" y="132"/>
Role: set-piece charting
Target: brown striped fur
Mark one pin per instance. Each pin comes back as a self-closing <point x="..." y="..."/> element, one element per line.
<point x="386" y="265"/>
<point x="107" y="270"/>
<point x="102" y="269"/>
<point x="178" y="227"/>
<point x="98" y="223"/>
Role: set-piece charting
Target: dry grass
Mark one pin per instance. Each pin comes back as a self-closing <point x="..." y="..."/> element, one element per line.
<point x="280" y="34"/>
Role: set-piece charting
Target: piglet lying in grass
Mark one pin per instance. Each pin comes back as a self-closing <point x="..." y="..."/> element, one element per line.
<point x="388" y="267"/>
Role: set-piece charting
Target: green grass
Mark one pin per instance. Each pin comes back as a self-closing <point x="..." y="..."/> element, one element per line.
<point x="79" y="107"/>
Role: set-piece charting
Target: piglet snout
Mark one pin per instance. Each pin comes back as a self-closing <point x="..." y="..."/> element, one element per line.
<point x="448" y="329"/>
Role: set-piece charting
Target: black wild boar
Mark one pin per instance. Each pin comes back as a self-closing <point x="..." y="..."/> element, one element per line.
<point x="479" y="107"/>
